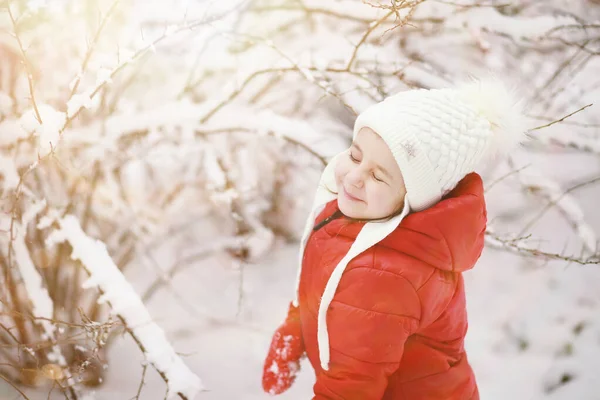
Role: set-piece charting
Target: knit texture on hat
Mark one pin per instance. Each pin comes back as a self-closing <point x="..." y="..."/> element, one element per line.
<point x="437" y="137"/>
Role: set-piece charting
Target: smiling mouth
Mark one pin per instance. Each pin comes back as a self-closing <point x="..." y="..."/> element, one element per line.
<point x="349" y="196"/>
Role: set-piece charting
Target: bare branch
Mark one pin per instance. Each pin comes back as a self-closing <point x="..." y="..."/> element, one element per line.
<point x="14" y="386"/>
<point x="573" y="123"/>
<point x="503" y="177"/>
<point x="553" y="201"/>
<point x="513" y="245"/>
<point x="312" y="10"/>
<point x="27" y="65"/>
<point x="137" y="396"/>
<point x="561" y="119"/>
<point x="573" y="26"/>
<point x="372" y="27"/>
<point x="92" y="46"/>
<point x="473" y="5"/>
<point x="322" y="159"/>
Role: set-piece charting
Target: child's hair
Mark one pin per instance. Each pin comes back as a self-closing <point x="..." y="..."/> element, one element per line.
<point x="395" y="213"/>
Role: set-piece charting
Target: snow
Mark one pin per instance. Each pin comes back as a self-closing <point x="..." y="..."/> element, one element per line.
<point x="566" y="203"/>
<point x="490" y="19"/>
<point x="8" y="172"/>
<point x="77" y="102"/>
<point x="49" y="130"/>
<point x="103" y="76"/>
<point x="124" y="302"/>
<point x="37" y="293"/>
<point x="155" y="174"/>
<point x="42" y="306"/>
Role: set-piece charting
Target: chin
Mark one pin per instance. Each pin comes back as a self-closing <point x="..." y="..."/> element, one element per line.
<point x="348" y="209"/>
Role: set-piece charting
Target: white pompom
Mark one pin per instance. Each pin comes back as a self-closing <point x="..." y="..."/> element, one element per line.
<point x="502" y="107"/>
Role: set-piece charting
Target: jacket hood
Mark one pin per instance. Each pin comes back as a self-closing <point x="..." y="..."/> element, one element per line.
<point x="448" y="236"/>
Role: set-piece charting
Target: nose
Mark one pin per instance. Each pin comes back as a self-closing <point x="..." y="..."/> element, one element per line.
<point x="355" y="177"/>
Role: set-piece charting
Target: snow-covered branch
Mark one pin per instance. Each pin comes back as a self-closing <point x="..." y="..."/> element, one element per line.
<point x="125" y="303"/>
<point x="548" y="189"/>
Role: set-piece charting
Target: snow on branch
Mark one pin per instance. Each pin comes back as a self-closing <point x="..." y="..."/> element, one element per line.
<point x="42" y="306"/>
<point x="117" y="291"/>
<point x="566" y="204"/>
<point x="491" y="20"/>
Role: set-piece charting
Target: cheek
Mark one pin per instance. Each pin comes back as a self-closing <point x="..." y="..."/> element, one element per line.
<point x="381" y="196"/>
<point x="341" y="169"/>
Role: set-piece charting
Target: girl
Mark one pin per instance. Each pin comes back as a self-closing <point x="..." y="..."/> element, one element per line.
<point x="380" y="302"/>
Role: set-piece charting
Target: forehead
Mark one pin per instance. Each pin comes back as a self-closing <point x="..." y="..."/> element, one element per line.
<point x="370" y="142"/>
<point x="374" y="148"/>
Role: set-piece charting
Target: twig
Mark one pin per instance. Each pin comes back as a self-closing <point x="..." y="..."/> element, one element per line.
<point x="183" y="263"/>
<point x="51" y="389"/>
<point x="555" y="75"/>
<point x="554" y="202"/>
<point x="91" y="47"/>
<point x="573" y="123"/>
<point x="27" y="66"/>
<point x="322" y="159"/>
<point x="140" y="52"/>
<point x="311" y="10"/>
<point x="562" y="119"/>
<point x="572" y="26"/>
<point x="473" y="5"/>
<point x="137" y="396"/>
<point x="14" y="386"/>
<point x="511" y="244"/>
<point x="515" y="171"/>
<point x="365" y="36"/>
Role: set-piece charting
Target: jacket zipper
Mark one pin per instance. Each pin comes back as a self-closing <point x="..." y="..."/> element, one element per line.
<point x="333" y="216"/>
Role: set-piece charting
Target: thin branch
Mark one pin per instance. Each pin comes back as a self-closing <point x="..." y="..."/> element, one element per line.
<point x="311" y="10"/>
<point x="563" y="67"/>
<point x="296" y="68"/>
<point x="137" y="396"/>
<point x="562" y="119"/>
<point x="372" y="27"/>
<point x="27" y="66"/>
<point x="573" y="26"/>
<point x="573" y="123"/>
<point x="14" y="386"/>
<point x="142" y="51"/>
<point x="554" y="202"/>
<point x="513" y="172"/>
<point x="472" y="5"/>
<point x="513" y="245"/>
<point x="322" y="159"/>
<point x="91" y="47"/>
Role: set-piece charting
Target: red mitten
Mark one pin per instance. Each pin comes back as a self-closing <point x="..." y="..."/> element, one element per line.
<point x="283" y="360"/>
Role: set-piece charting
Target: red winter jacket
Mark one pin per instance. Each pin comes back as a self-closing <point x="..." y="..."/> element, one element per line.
<point x="398" y="320"/>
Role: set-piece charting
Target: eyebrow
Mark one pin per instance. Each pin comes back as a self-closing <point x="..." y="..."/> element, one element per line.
<point x="385" y="171"/>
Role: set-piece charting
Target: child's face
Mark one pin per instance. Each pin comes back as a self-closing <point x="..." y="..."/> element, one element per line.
<point x="369" y="182"/>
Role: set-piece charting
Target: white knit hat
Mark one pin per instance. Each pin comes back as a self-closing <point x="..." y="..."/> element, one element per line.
<point x="437" y="137"/>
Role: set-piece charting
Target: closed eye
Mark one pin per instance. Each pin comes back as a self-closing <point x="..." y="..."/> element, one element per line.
<point x="377" y="179"/>
<point x="353" y="159"/>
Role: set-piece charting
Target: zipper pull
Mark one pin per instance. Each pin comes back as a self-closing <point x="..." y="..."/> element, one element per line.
<point x="336" y="214"/>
